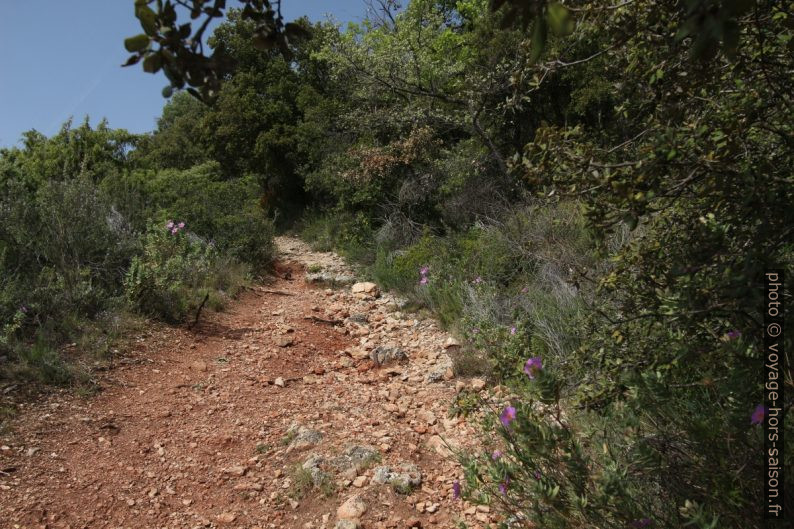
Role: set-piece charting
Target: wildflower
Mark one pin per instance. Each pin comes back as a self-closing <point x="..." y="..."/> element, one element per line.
<point x="642" y="522"/>
<point x="477" y="280"/>
<point x="181" y="225"/>
<point x="423" y="281"/>
<point x="533" y="365"/>
<point x="503" y="485"/>
<point x="23" y="309"/>
<point x="496" y="454"/>
<point x="524" y="290"/>
<point x="537" y="475"/>
<point x="758" y="414"/>
<point x="424" y="270"/>
<point x="513" y="330"/>
<point x="169" y="224"/>
<point x="174" y="230"/>
<point x="508" y="415"/>
<point x="456" y="490"/>
<point x="733" y="335"/>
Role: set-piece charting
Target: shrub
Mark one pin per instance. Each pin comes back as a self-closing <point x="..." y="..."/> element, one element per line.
<point x="63" y="252"/>
<point x="224" y="211"/>
<point x="176" y="271"/>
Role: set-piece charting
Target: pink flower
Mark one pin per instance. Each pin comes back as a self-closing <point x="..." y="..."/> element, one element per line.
<point x="423" y="281"/>
<point x="533" y="366"/>
<point x="424" y="270"/>
<point x="496" y="454"/>
<point x="508" y="415"/>
<point x="174" y="230"/>
<point x="524" y="290"/>
<point x="181" y="225"/>
<point x="477" y="280"/>
<point x="758" y="414"/>
<point x="513" y="330"/>
<point x="169" y="224"/>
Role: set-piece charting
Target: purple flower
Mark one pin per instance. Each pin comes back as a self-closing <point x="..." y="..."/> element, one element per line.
<point x="477" y="280"/>
<point x="532" y="366"/>
<point x="169" y="224"/>
<point x="642" y="522"/>
<point x="181" y="225"/>
<point x="496" y="454"/>
<point x="734" y="334"/>
<point x="424" y="270"/>
<point x="174" y="230"/>
<point x="508" y="415"/>
<point x="23" y="309"/>
<point x="758" y="414"/>
<point x="503" y="485"/>
<point x="423" y="281"/>
<point x="456" y="490"/>
<point x="513" y="329"/>
<point x="537" y="475"/>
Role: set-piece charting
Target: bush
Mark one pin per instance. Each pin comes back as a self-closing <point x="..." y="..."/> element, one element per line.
<point x="223" y="211"/>
<point x="176" y="272"/>
<point x="350" y="235"/>
<point x="72" y="257"/>
<point x="63" y="252"/>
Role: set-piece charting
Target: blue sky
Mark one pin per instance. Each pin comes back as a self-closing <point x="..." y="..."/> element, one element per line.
<point x="62" y="58"/>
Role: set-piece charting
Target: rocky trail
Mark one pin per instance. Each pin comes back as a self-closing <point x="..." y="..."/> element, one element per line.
<point x="301" y="406"/>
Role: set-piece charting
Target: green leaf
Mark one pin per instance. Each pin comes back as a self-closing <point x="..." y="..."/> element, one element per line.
<point x="184" y="31"/>
<point x="136" y="43"/>
<point x="560" y="20"/>
<point x="152" y="63"/>
<point x="132" y="60"/>
<point x="148" y="19"/>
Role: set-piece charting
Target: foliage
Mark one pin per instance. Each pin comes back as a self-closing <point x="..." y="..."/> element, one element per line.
<point x="72" y="211"/>
<point x="181" y="139"/>
<point x="668" y="124"/>
<point x="180" y="51"/>
<point x="580" y="189"/>
<point x="175" y="272"/>
<point x="223" y="211"/>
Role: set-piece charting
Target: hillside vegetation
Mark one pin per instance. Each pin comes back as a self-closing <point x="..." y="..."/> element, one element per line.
<point x="590" y="202"/>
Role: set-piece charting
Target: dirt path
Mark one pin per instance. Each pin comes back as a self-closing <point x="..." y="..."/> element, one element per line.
<point x="208" y="428"/>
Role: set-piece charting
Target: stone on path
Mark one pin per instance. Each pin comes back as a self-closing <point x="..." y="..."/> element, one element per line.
<point x="352" y="509"/>
<point x="365" y="289"/>
<point x="384" y="355"/>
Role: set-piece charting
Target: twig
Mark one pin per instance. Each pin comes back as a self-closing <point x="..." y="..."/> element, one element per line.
<point x="198" y="312"/>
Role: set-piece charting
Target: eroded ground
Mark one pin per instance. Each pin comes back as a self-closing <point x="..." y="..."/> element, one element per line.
<point x="271" y="414"/>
